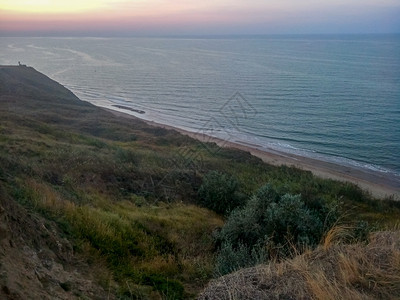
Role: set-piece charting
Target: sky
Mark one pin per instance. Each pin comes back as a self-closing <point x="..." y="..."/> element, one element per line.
<point x="197" y="17"/>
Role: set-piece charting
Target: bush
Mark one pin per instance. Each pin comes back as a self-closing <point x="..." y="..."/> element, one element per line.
<point x="270" y="221"/>
<point x="232" y="258"/>
<point x="290" y="221"/>
<point x="219" y="192"/>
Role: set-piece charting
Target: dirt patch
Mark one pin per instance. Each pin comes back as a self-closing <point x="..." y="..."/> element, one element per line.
<point x="36" y="262"/>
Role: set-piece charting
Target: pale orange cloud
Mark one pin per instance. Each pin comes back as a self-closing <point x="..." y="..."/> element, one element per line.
<point x="16" y="15"/>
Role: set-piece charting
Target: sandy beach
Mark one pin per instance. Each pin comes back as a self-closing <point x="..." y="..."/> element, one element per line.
<point x="379" y="185"/>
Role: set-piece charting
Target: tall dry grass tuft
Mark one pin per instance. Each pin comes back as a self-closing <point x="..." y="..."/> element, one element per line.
<point x="336" y="234"/>
<point x="43" y="197"/>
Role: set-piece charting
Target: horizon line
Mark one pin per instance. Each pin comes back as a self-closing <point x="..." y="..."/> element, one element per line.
<point x="233" y="35"/>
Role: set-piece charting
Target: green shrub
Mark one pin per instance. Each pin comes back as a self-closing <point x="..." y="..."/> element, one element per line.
<point x="289" y="220"/>
<point x="232" y="258"/>
<point x="277" y="223"/>
<point x="219" y="192"/>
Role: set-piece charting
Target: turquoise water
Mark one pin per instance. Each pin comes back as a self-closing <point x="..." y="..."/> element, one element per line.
<point x="336" y="98"/>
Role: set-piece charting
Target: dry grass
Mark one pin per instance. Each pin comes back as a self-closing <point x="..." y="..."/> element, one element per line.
<point x="335" y="235"/>
<point x="170" y="240"/>
<point x="340" y="271"/>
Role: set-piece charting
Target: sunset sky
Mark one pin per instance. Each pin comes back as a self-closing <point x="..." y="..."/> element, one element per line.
<point x="206" y="17"/>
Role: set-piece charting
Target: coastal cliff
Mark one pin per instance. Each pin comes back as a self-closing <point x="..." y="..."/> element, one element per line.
<point x="98" y="205"/>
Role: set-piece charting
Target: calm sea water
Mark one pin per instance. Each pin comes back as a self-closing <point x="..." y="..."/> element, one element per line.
<point x="336" y="98"/>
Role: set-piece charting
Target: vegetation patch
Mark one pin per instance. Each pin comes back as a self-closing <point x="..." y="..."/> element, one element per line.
<point x="129" y="200"/>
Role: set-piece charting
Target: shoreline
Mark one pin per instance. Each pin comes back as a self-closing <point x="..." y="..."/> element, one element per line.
<point x="379" y="186"/>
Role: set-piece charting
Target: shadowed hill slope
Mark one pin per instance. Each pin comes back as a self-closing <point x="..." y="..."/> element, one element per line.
<point x="27" y="82"/>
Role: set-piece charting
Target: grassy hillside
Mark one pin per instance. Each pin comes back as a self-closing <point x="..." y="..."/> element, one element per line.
<point x="125" y="195"/>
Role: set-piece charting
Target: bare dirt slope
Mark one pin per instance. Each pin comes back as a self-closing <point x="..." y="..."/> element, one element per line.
<point x="36" y="262"/>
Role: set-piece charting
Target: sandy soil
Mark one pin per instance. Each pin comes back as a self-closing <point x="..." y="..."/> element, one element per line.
<point x="378" y="184"/>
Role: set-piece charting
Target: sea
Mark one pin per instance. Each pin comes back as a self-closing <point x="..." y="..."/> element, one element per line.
<point x="330" y="97"/>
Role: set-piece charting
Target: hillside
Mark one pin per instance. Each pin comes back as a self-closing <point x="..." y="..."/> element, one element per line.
<point x="102" y="206"/>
